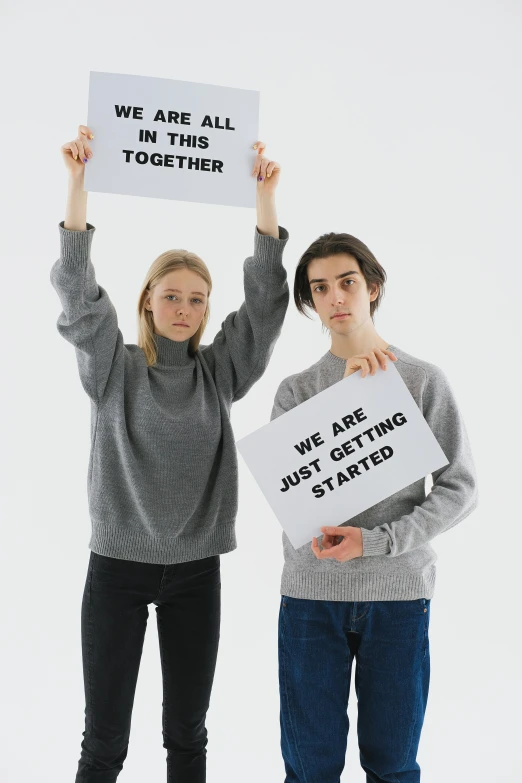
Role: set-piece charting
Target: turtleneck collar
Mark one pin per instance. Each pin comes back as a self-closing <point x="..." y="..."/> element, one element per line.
<point x="173" y="353"/>
<point x="338" y="361"/>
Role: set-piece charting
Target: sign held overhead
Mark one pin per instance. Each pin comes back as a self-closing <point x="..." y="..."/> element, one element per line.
<point x="172" y="139"/>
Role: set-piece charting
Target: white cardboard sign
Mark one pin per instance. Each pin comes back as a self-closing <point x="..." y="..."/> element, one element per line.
<point x="341" y="452"/>
<point x="172" y="139"/>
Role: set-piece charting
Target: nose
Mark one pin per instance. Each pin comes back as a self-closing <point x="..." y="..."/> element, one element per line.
<point x="337" y="297"/>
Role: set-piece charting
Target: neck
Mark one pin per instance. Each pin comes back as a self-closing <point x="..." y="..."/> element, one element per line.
<point x="172" y="353"/>
<point x="362" y="339"/>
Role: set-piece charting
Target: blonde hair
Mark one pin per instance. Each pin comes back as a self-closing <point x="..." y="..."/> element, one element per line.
<point x="164" y="263"/>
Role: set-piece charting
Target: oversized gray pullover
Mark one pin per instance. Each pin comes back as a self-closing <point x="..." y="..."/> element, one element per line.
<point x="398" y="561"/>
<point x="162" y="475"/>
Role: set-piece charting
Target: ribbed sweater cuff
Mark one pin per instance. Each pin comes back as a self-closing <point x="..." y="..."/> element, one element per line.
<point x="375" y="542"/>
<point x="75" y="246"/>
<point x="269" y="250"/>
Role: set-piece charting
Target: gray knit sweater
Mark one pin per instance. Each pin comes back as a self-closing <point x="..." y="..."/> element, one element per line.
<point x="162" y="476"/>
<point x="398" y="561"/>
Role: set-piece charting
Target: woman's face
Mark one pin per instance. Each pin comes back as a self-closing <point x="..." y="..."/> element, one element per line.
<point x="178" y="303"/>
<point x="340" y="295"/>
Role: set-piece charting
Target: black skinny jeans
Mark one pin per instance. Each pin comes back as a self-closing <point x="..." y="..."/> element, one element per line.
<point x="114" y="617"/>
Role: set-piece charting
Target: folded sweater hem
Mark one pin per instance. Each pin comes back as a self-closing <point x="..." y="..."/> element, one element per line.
<point x="371" y="586"/>
<point x="125" y="544"/>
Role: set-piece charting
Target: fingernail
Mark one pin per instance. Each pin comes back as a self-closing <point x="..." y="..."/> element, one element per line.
<point x="85" y="160"/>
<point x="75" y="157"/>
<point x="255" y="146"/>
<point x="260" y="179"/>
<point x="91" y="136"/>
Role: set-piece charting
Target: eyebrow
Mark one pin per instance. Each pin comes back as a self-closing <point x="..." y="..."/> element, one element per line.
<point x="177" y="291"/>
<point x="337" y="277"/>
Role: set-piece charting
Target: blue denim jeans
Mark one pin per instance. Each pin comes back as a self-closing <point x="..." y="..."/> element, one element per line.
<point x="115" y="609"/>
<point x="318" y="641"/>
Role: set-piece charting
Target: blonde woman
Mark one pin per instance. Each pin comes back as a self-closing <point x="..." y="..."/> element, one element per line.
<point x="162" y="477"/>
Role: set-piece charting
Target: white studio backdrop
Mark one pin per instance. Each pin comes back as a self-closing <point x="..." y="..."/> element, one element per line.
<point x="396" y="122"/>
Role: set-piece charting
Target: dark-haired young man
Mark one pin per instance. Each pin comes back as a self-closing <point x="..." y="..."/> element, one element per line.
<point x="366" y="594"/>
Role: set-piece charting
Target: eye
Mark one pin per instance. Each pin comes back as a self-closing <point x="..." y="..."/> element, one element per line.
<point x="169" y="295"/>
<point x="199" y="301"/>
<point x="318" y="287"/>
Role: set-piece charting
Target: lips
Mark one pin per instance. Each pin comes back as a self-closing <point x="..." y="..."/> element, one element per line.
<point x="180" y="323"/>
<point x="340" y="315"/>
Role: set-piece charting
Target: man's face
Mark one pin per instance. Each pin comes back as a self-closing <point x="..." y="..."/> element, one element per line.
<point x="339" y="292"/>
<point x="178" y="303"/>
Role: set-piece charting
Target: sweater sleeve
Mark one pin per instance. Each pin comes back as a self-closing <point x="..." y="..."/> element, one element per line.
<point x="244" y="344"/>
<point x="88" y="319"/>
<point x="454" y="492"/>
<point x="284" y="399"/>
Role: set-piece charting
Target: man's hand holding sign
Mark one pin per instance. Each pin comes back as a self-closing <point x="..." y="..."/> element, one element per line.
<point x="349" y="547"/>
<point x="368" y="363"/>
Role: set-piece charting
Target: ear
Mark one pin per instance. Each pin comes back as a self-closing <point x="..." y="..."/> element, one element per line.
<point x="374" y="292"/>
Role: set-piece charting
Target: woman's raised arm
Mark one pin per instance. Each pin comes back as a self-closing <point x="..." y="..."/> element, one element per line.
<point x="75" y="155"/>
<point x="242" y="348"/>
<point x="88" y="320"/>
<point x="267" y="173"/>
